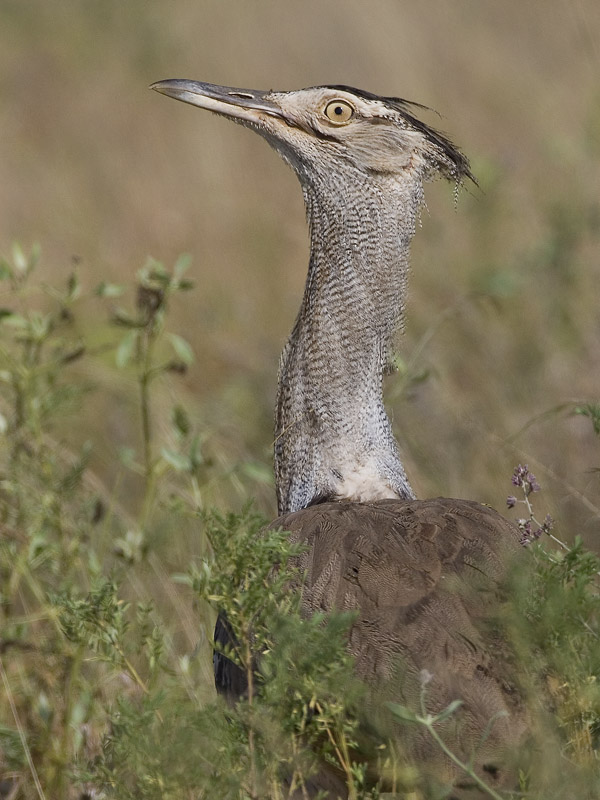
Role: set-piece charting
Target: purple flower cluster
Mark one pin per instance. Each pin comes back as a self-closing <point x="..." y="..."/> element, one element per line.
<point x="530" y="528"/>
<point x="529" y="533"/>
<point x="525" y="479"/>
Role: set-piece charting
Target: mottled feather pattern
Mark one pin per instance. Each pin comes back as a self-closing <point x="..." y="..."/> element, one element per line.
<point x="425" y="578"/>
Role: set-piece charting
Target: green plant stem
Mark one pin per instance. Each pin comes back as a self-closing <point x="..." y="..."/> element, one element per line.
<point x="531" y="513"/>
<point x="22" y="736"/>
<point x="145" y="377"/>
<point x="456" y="760"/>
<point x="428" y="721"/>
<point x="131" y="669"/>
<point x="297" y="779"/>
<point x="146" y="425"/>
<point x="64" y="754"/>
<point x="127" y="663"/>
<point x="250" y="679"/>
<point x="342" y="755"/>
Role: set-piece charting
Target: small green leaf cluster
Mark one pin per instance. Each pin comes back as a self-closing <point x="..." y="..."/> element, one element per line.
<point x="592" y="411"/>
<point x="36" y="345"/>
<point x="244" y="557"/>
<point x="99" y="694"/>
<point x="299" y="716"/>
<point x="563" y="609"/>
<point x="554" y="624"/>
<point x="143" y="345"/>
<point x="156" y="286"/>
<point x="301" y="707"/>
<point x="75" y="620"/>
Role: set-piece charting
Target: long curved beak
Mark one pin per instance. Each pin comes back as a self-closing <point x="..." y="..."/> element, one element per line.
<point x="244" y="104"/>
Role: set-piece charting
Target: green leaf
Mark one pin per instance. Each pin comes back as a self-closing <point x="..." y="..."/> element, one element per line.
<point x="402" y="712"/>
<point x="41" y="326"/>
<point x="181" y="265"/>
<point x="19" y="257"/>
<point x="127" y="457"/>
<point x="105" y="289"/>
<point x="154" y="272"/>
<point x="182" y="578"/>
<point x="22" y="263"/>
<point x="592" y="411"/>
<point x="73" y="287"/>
<point x="15" y="321"/>
<point x="176" y="460"/>
<point x="181" y="421"/>
<point x="196" y="455"/>
<point x="130" y="547"/>
<point x="125" y="320"/>
<point x="126" y="348"/>
<point x="448" y="711"/>
<point x="182" y="348"/>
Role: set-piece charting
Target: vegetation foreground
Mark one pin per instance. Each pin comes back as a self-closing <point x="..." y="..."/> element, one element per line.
<point x="105" y="638"/>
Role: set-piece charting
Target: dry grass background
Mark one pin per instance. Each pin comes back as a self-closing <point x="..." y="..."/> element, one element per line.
<point x="94" y="166"/>
<point x="503" y="321"/>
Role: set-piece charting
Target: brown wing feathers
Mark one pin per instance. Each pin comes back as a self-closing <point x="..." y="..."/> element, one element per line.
<point x="425" y="578"/>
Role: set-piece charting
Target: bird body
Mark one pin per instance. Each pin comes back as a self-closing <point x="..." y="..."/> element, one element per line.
<point x="426" y="579"/>
<point x="423" y="577"/>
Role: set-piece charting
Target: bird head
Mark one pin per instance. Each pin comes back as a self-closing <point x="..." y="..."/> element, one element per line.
<point x="333" y="128"/>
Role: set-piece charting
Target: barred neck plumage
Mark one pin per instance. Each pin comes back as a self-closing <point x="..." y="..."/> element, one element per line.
<point x="361" y="160"/>
<point x="333" y="437"/>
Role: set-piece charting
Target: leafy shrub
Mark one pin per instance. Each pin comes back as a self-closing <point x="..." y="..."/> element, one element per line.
<point x="105" y="655"/>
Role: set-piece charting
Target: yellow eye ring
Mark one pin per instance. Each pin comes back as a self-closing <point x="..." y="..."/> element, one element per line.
<point x="339" y="112"/>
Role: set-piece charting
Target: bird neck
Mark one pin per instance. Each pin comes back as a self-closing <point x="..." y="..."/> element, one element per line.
<point x="333" y="437"/>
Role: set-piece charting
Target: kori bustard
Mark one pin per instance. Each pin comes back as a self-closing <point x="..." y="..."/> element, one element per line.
<point x="422" y="575"/>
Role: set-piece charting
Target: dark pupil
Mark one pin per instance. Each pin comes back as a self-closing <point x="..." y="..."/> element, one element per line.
<point x="338" y="110"/>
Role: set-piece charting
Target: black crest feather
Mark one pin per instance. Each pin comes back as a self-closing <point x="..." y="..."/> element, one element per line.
<point x="447" y="157"/>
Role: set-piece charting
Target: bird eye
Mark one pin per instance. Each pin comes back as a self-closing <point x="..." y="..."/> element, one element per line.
<point x="339" y="112"/>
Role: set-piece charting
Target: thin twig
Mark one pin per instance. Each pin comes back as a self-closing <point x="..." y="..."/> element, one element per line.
<point x="22" y="737"/>
<point x="342" y="758"/>
<point x="454" y="758"/>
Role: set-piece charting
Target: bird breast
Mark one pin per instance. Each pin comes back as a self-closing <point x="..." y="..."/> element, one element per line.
<point x="363" y="481"/>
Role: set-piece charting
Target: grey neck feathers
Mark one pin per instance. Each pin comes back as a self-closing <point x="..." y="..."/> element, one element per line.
<point x="333" y="436"/>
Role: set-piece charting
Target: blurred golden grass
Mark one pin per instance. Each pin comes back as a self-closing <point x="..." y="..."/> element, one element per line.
<point x="95" y="166"/>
